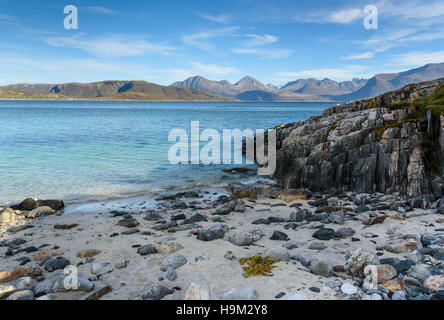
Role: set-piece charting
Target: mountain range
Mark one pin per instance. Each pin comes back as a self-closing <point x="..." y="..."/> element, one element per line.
<point x="112" y="90"/>
<point x="247" y="89"/>
<point x="250" y="89"/>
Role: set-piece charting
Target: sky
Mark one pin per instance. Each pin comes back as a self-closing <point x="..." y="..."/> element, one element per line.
<point x="166" y="41"/>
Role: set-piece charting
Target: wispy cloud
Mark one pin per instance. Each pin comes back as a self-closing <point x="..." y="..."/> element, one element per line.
<point x="265" y="53"/>
<point x="255" y="46"/>
<point x="343" y="16"/>
<point x="412" y="9"/>
<point x="101" y="10"/>
<point x="222" y="18"/>
<point x="111" y="46"/>
<point x="340" y="74"/>
<point x="6" y="19"/>
<point x="200" y="39"/>
<point x="213" y="69"/>
<point x="359" y="56"/>
<point x="258" y="40"/>
<point x="418" y="58"/>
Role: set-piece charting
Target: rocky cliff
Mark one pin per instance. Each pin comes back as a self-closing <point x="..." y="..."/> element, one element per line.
<point x="390" y="143"/>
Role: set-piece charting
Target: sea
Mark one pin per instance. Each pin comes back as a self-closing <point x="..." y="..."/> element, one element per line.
<point x="96" y="150"/>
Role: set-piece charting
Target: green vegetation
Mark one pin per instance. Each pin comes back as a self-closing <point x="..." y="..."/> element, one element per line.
<point x="22" y="95"/>
<point x="257" y="266"/>
<point x="419" y="107"/>
<point x="417" y="110"/>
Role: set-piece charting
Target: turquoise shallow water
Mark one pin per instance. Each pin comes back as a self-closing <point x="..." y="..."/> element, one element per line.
<point x="82" y="150"/>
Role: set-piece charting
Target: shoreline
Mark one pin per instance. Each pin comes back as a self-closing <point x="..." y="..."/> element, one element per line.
<point x="203" y="101"/>
<point x="134" y="242"/>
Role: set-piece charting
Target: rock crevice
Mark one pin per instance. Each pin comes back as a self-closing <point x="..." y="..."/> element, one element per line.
<point x="390" y="143"/>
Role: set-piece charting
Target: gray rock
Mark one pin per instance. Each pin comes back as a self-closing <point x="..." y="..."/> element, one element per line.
<point x="278" y="253"/>
<point x="214" y="232"/>
<point x="349" y="289"/>
<point x="399" y="295"/>
<point x="419" y="271"/>
<point x="146" y="250"/>
<point x="195" y="218"/>
<point x="290" y="245"/>
<point x="324" y="234"/>
<point x="157" y="292"/>
<point x="303" y="259"/>
<point x="241" y="239"/>
<point x="99" y="267"/>
<point x="321" y="268"/>
<point x="57" y="263"/>
<point x="317" y="246"/>
<point x="279" y="235"/>
<point x="58" y="284"/>
<point x="352" y="147"/>
<point x="21" y="295"/>
<point x="121" y="264"/>
<point x="170" y="274"/>
<point x="345" y="232"/>
<point x="174" y="261"/>
<point x="241" y="294"/>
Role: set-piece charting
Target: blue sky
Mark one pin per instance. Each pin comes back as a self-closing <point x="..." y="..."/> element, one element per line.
<point x="165" y="41"/>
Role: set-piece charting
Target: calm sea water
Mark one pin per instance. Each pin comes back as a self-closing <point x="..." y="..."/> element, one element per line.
<point x="81" y="150"/>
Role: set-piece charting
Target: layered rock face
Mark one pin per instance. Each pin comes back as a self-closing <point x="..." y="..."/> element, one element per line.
<point x="370" y="145"/>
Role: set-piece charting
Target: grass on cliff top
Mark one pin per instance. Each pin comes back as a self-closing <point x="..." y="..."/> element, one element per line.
<point x="257" y="266"/>
<point x="418" y="108"/>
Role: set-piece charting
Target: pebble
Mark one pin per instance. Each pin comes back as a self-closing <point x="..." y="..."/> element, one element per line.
<point x="146" y="250"/>
<point x="174" y="261"/>
<point x="348" y="288"/>
<point x="170" y="274"/>
<point x="324" y="234"/>
<point x="278" y="253"/>
<point x="322" y="268"/>
<point x="156" y="292"/>
<point x="317" y="246"/>
<point x="241" y="294"/>
<point x="279" y="235"/>
<point x="197" y="292"/>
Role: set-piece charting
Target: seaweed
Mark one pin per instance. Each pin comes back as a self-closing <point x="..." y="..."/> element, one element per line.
<point x="257" y="266"/>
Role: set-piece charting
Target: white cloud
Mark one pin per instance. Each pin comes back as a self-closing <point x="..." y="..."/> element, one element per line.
<point x="5" y="19"/>
<point x="112" y="46"/>
<point x="223" y="18"/>
<point x="265" y="53"/>
<point x="418" y="58"/>
<point x="213" y="69"/>
<point x="339" y="74"/>
<point x="412" y="9"/>
<point x="258" y="40"/>
<point x="101" y="10"/>
<point x="343" y="16"/>
<point x="210" y="71"/>
<point x="359" y="56"/>
<point x="200" y="39"/>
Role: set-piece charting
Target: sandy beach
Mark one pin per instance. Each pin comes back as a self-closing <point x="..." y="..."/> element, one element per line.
<point x="96" y="228"/>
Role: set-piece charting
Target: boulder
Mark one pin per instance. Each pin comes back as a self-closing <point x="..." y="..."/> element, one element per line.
<point x="197" y="292"/>
<point x="361" y="258"/>
<point x="241" y="294"/>
<point x="40" y="212"/>
<point x="8" y="215"/>
<point x="174" y="261"/>
<point x="156" y="292"/>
